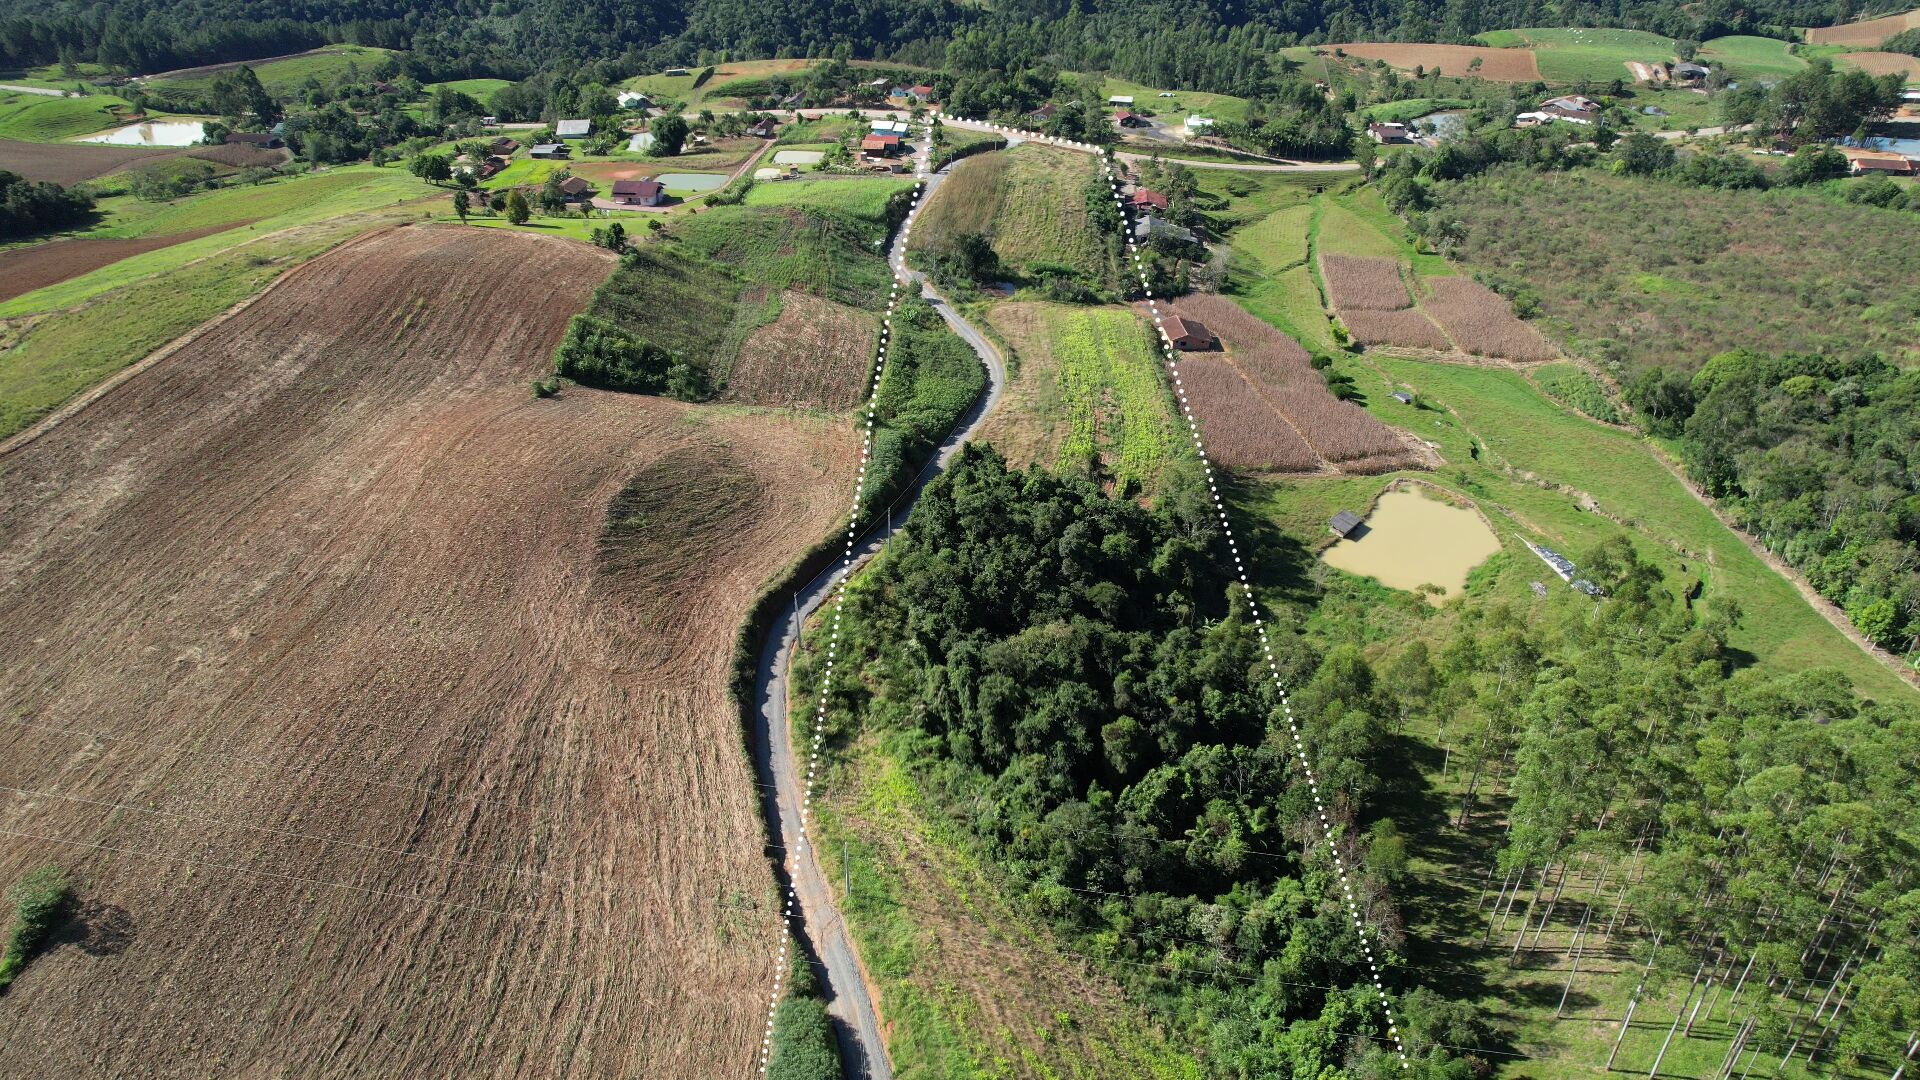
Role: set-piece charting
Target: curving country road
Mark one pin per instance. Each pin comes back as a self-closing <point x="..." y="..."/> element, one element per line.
<point x="783" y="789"/>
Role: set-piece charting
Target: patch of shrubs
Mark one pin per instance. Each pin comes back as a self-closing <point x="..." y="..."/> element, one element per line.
<point x="595" y="352"/>
<point x="41" y="902"/>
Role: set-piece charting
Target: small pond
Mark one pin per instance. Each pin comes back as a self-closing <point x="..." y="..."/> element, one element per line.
<point x="692" y="181"/>
<point x="156" y="133"/>
<point x="1411" y="540"/>
<point x="1446" y="124"/>
<point x="798" y="157"/>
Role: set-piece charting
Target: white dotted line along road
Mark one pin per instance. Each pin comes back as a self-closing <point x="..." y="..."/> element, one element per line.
<point x="1253" y="607"/>
<point x="798" y="847"/>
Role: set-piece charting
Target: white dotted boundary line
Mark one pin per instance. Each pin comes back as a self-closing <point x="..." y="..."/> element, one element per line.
<point x="799" y="846"/>
<point x="1253" y="607"/>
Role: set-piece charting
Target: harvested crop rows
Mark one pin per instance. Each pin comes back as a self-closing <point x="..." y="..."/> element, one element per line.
<point x="1374" y="304"/>
<point x="1870" y="33"/>
<point x="1364" y="284"/>
<point x="1497" y="65"/>
<point x="815" y="355"/>
<point x="1885" y="63"/>
<point x="23" y="270"/>
<point x="1270" y="404"/>
<point x="70" y="163"/>
<point x="1482" y="322"/>
<point x="378" y="746"/>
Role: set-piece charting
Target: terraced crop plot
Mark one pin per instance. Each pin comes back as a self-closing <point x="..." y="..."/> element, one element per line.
<point x="1279" y="377"/>
<point x="1030" y="202"/>
<point x="1868" y="33"/>
<point x="1365" y="284"/>
<point x="1482" y="322"/>
<point x="1086" y="395"/>
<point x="1497" y="65"/>
<point x="400" y="744"/>
<point x="1408" y="328"/>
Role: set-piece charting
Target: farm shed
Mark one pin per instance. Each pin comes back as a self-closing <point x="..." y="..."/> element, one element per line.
<point x="1188" y="335"/>
<point x="1890" y="164"/>
<point x="548" y="150"/>
<point x="1403" y="397"/>
<point x="1146" y="197"/>
<point x="1132" y="120"/>
<point x="890" y="127"/>
<point x="576" y="189"/>
<point x="1199" y="125"/>
<point x="1388" y="133"/>
<point x="1155" y="227"/>
<point x="1689" y="71"/>
<point x="1123" y="100"/>
<point x="880" y="145"/>
<point x="573" y="129"/>
<point x="1344" y="523"/>
<point x="639" y="192"/>
<point x="675" y="72"/>
<point x="502" y="146"/>
<point x="764" y="129"/>
<point x="633" y="99"/>
<point x="1044" y="112"/>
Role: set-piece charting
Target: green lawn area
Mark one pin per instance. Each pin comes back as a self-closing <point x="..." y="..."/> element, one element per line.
<point x="1570" y="54"/>
<point x="69" y="351"/>
<point x="1750" y="57"/>
<point x="478" y="89"/>
<point x="1684" y="108"/>
<point x="284" y="76"/>
<point x="524" y="170"/>
<point x="1516" y="425"/>
<point x="864" y="197"/>
<point x="1182" y="104"/>
<point x="39" y="118"/>
<point x="273" y="206"/>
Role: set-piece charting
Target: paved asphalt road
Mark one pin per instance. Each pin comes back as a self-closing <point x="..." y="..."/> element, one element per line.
<point x="780" y="770"/>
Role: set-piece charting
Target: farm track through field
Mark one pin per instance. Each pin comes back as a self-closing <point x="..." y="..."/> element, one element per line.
<point x="375" y="745"/>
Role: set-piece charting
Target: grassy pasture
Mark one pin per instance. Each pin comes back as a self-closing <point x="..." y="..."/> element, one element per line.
<point x="862" y="197"/>
<point x="285" y="76"/>
<point x="39" y="118"/>
<point x="826" y="254"/>
<point x="1047" y="222"/>
<point x="1573" y="54"/>
<point x="1183" y="103"/>
<point x="478" y="89"/>
<point x="1750" y="57"/>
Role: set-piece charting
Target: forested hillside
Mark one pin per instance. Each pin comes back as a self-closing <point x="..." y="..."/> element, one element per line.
<point x="1206" y="46"/>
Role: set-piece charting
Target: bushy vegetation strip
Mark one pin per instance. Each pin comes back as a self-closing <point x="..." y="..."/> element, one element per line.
<point x="39" y="902"/>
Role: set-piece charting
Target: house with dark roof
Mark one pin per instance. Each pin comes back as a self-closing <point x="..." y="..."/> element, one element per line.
<point x="1188" y="335"/>
<point x="1044" y="112"/>
<point x="576" y="189"/>
<point x="1389" y="133"/>
<point x="1132" y="120"/>
<point x="1152" y="226"/>
<point x="764" y="129"/>
<point x="639" y="192"/>
<point x="549" y="150"/>
<point x="502" y="146"/>
<point x="1688" y="71"/>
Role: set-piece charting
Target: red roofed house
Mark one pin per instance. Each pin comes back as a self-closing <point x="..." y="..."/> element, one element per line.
<point x="1881" y="163"/>
<point x="1187" y="335"/>
<point x="880" y="145"/>
<point x="639" y="192"/>
<point x="1146" y="198"/>
<point x="920" y="93"/>
<point x="1128" y="119"/>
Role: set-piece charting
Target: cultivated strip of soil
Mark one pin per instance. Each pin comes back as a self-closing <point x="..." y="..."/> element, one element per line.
<point x="350" y="681"/>
<point x="23" y="270"/>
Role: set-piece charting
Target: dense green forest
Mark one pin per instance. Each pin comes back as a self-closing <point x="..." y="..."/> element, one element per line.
<point x="1206" y="46"/>
<point x="27" y="207"/>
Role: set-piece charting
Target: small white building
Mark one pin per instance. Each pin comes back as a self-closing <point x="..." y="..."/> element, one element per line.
<point x="1124" y="100"/>
<point x="573" y="129"/>
<point x="1199" y="125"/>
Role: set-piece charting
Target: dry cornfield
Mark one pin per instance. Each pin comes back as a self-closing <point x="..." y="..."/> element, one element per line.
<point x="1482" y="322"/>
<point x="1409" y="329"/>
<point x="379" y="708"/>
<point x="1240" y="429"/>
<point x="815" y="355"/>
<point x="1275" y="370"/>
<point x="1364" y="284"/>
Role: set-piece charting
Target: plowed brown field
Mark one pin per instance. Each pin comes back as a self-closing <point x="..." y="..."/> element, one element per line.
<point x="1496" y="65"/>
<point x="816" y="354"/>
<point x="378" y="707"/>
<point x="1869" y="33"/>
<point x="70" y="163"/>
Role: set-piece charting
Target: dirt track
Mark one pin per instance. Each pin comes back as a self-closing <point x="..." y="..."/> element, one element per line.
<point x="375" y="750"/>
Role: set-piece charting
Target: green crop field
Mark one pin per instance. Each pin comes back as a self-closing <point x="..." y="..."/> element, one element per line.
<point x="861" y="197"/>
<point x="478" y="89"/>
<point x="1573" y="54"/>
<point x="1751" y="57"/>
<point x="39" y="118"/>
<point x="285" y="76"/>
<point x="280" y="204"/>
<point x="828" y="254"/>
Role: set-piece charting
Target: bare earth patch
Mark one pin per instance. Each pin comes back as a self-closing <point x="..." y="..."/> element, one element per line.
<point x="70" y="163"/>
<point x="816" y="355"/>
<point x="355" y="684"/>
<point x="1497" y="65"/>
